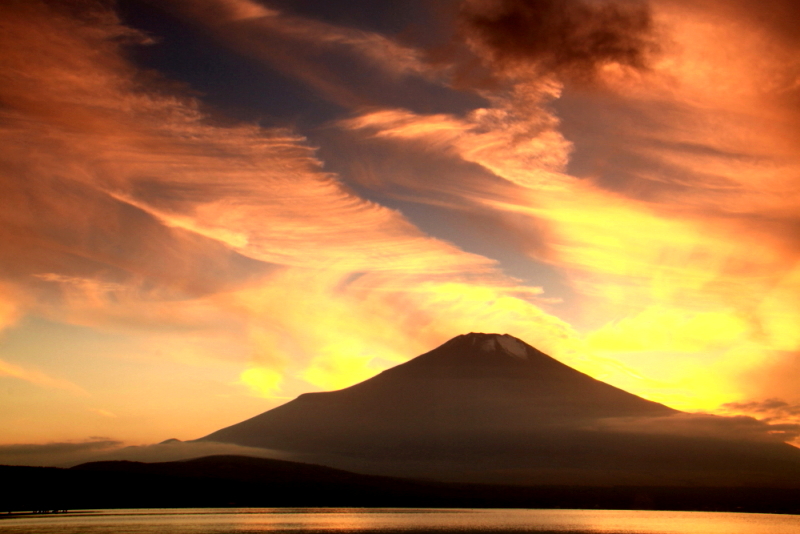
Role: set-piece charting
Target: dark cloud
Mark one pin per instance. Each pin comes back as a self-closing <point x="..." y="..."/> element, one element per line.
<point x="570" y="38"/>
<point x="170" y="451"/>
<point x="704" y="425"/>
<point x="63" y="453"/>
<point x="67" y="454"/>
<point x="770" y="408"/>
<point x="26" y="449"/>
<point x="778" y="378"/>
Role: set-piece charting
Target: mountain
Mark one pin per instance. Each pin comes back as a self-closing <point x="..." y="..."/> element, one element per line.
<point x="225" y="481"/>
<point x="490" y="408"/>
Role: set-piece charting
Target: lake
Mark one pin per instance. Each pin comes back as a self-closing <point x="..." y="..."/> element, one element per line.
<point x="390" y="520"/>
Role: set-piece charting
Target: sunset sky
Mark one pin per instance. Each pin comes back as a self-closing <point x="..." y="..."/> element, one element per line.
<point x="208" y="207"/>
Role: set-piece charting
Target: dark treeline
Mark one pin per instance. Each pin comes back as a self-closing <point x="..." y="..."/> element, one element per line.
<point x="221" y="481"/>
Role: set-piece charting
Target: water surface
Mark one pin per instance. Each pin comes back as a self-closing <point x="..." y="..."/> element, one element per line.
<point x="391" y="520"/>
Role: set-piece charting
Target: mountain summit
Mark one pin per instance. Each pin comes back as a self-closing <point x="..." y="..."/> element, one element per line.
<point x="491" y="408"/>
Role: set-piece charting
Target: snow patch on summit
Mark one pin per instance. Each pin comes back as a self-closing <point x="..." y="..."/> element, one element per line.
<point x="513" y="346"/>
<point x="508" y="344"/>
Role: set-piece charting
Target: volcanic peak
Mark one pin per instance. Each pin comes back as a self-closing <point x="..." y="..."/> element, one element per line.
<point x="497" y="342"/>
<point x="477" y="352"/>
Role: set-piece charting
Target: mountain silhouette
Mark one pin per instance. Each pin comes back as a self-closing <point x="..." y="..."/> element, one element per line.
<point x="225" y="481"/>
<point x="490" y="408"/>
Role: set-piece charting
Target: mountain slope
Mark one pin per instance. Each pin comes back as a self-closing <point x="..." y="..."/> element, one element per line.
<point x="489" y="408"/>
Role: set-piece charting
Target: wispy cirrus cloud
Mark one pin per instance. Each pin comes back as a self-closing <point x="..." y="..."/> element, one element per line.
<point x="384" y="52"/>
<point x="635" y="154"/>
<point x="666" y="194"/>
<point x="153" y="165"/>
<point x="620" y="149"/>
<point x="38" y="378"/>
<point x="127" y="209"/>
<point x="348" y="66"/>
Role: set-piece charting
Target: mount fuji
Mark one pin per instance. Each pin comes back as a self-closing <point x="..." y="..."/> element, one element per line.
<point x="489" y="408"/>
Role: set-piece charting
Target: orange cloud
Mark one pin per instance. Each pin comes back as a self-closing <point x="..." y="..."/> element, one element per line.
<point x="38" y="378"/>
<point x="332" y="330"/>
<point x="382" y="51"/>
<point x="631" y="258"/>
<point x="691" y="225"/>
<point x="11" y="307"/>
<point x="126" y="209"/>
<point x="104" y="148"/>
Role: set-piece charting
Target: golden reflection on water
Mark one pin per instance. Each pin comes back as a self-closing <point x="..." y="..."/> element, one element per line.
<point x="385" y="521"/>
